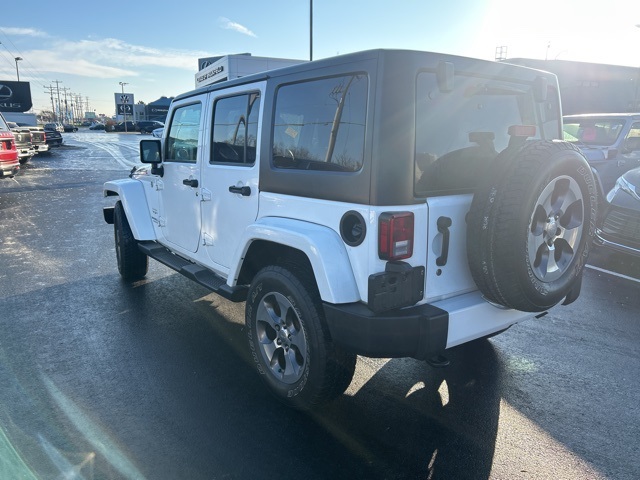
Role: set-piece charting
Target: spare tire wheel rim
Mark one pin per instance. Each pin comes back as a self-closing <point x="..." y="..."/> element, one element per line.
<point x="555" y="230"/>
<point x="281" y="338"/>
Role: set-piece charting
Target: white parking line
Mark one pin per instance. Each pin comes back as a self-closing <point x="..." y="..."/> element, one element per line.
<point x="619" y="275"/>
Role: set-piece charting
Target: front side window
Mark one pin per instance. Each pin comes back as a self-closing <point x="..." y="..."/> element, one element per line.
<point x="459" y="133"/>
<point x="320" y="124"/>
<point x="182" y="139"/>
<point x="235" y="129"/>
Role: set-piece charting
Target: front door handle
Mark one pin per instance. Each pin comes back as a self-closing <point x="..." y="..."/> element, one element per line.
<point x="190" y="182"/>
<point x="244" y="191"/>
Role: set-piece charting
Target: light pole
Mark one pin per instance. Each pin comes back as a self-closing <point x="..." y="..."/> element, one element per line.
<point x="310" y="30"/>
<point x="17" y="59"/>
<point x="124" y="110"/>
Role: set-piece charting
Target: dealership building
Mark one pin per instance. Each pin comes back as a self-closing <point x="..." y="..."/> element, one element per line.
<point x="591" y="87"/>
<point x="218" y="69"/>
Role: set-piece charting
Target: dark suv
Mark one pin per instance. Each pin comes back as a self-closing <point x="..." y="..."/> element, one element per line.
<point x="148" y="126"/>
<point x="125" y="127"/>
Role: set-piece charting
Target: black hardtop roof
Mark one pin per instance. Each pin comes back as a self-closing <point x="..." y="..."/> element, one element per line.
<point x="503" y="69"/>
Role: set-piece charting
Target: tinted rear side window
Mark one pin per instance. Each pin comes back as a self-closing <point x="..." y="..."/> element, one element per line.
<point x="320" y="124"/>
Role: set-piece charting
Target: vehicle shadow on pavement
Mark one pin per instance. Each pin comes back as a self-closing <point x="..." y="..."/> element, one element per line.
<point x="415" y="421"/>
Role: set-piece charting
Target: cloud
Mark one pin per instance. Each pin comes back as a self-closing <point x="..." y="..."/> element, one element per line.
<point x="30" y="32"/>
<point x="229" y="25"/>
<point x="109" y="58"/>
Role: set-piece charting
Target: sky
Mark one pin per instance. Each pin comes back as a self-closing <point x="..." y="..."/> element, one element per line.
<point x="153" y="46"/>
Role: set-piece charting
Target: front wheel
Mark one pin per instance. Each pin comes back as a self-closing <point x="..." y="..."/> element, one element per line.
<point x="132" y="263"/>
<point x="290" y="342"/>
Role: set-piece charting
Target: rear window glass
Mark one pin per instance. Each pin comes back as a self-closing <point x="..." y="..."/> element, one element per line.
<point x="320" y="124"/>
<point x="459" y="133"/>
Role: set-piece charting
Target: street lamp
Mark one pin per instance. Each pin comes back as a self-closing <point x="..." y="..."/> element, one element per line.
<point x="124" y="110"/>
<point x="17" y="59"/>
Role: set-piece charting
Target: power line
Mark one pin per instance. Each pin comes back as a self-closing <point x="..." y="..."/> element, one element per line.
<point x="31" y="69"/>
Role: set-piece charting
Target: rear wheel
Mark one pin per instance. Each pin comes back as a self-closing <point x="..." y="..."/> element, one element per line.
<point x="290" y="342"/>
<point x="132" y="263"/>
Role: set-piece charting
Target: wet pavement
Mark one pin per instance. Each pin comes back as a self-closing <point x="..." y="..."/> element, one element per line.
<point x="107" y="380"/>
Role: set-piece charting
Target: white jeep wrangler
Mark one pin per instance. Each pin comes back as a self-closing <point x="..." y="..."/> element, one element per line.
<point x="382" y="203"/>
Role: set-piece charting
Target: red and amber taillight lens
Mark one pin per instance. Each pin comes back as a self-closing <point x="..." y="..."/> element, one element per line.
<point x="395" y="235"/>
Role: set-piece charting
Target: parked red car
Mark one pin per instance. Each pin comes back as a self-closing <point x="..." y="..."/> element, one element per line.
<point x="9" y="163"/>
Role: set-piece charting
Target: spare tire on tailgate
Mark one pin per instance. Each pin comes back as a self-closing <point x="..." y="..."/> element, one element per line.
<point x="531" y="224"/>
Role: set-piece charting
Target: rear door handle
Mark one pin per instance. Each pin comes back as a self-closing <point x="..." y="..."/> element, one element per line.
<point x="244" y="191"/>
<point x="190" y="182"/>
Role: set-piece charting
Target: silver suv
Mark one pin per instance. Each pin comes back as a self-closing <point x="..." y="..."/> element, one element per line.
<point x="609" y="141"/>
<point x="383" y="203"/>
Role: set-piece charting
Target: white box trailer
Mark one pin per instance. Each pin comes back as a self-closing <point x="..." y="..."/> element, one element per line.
<point x="236" y="66"/>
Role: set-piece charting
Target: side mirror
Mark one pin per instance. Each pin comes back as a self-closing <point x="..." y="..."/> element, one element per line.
<point x="151" y="152"/>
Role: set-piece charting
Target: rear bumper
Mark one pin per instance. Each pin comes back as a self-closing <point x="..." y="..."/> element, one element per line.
<point x="8" y="169"/>
<point x="421" y="331"/>
<point x="418" y="332"/>
<point x="26" y="152"/>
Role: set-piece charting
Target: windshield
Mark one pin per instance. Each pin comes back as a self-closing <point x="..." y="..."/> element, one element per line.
<point x="593" y="131"/>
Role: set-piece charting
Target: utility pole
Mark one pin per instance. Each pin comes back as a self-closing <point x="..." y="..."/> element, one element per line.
<point x="58" y="82"/>
<point x="79" y="107"/>
<point x="66" y="104"/>
<point x="53" y="107"/>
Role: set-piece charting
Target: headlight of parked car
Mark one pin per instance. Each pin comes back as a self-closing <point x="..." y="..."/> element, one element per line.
<point x="624" y="185"/>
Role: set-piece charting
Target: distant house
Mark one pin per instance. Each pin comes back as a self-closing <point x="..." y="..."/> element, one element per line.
<point x="591" y="87"/>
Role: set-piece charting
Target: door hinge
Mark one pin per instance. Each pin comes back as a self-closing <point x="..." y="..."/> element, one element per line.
<point x="206" y="195"/>
<point x="207" y="240"/>
<point x="159" y="185"/>
<point x="162" y="222"/>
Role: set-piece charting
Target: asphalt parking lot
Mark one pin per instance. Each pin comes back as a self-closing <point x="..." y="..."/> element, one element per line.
<point x="101" y="379"/>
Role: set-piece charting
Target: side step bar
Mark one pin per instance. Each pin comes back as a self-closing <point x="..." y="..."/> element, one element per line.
<point x="201" y="275"/>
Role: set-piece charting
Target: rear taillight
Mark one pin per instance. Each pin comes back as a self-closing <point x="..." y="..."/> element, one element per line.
<point x="395" y="235"/>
